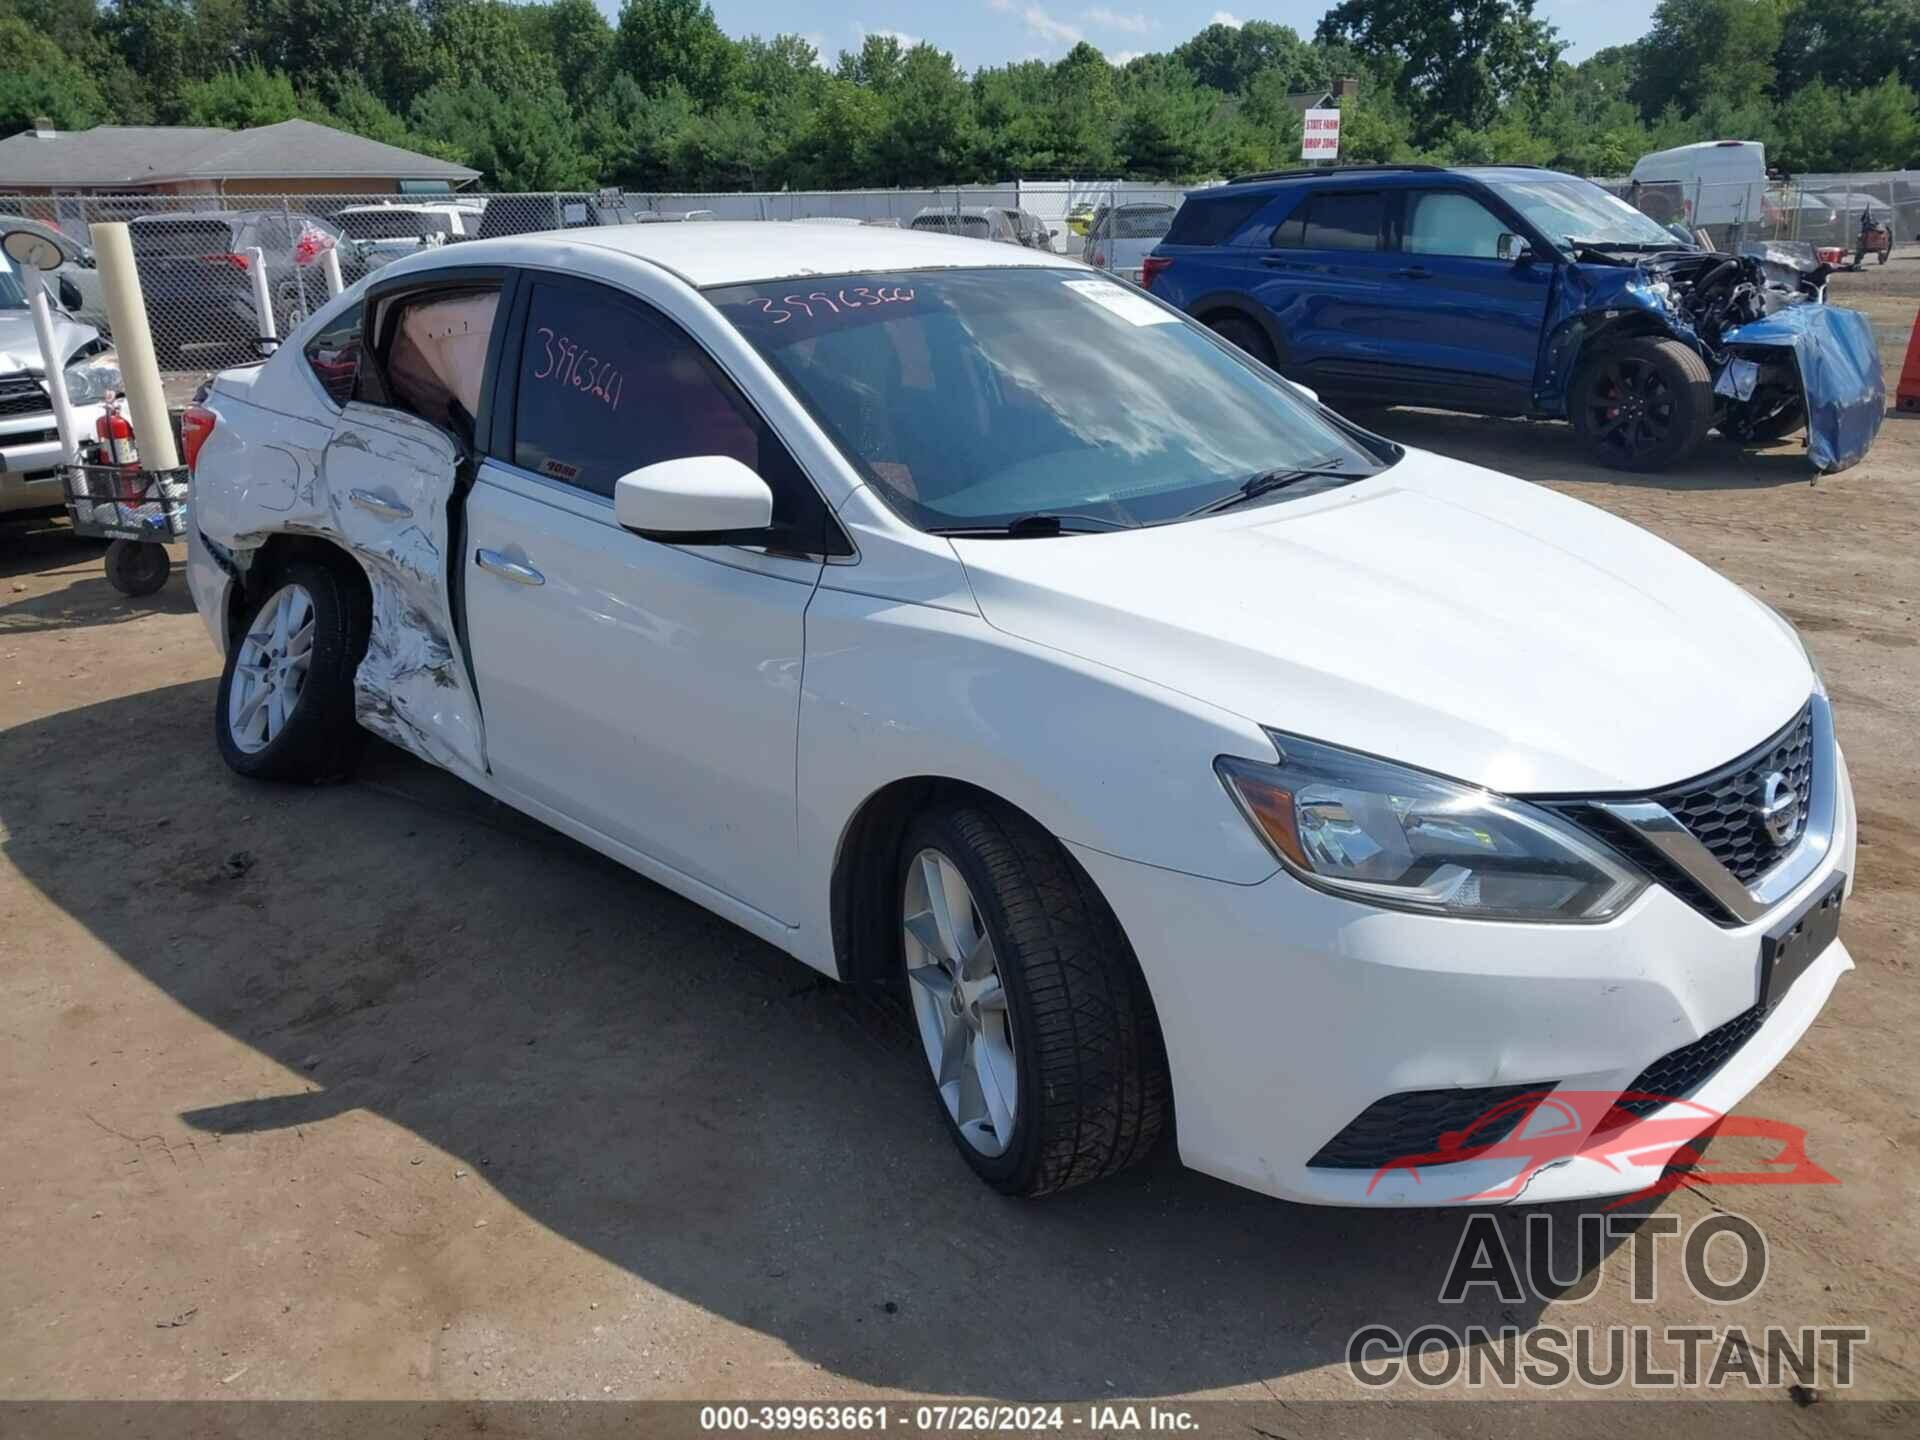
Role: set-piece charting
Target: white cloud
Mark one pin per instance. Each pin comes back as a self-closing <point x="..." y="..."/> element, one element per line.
<point x="1125" y="57"/>
<point x="907" y="42"/>
<point x="1112" y="20"/>
<point x="1000" y="4"/>
<point x="819" y="44"/>
<point x="1048" y="28"/>
<point x="1226" y="18"/>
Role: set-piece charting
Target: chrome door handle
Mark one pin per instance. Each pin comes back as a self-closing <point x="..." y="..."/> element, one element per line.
<point x="494" y="563"/>
<point x="376" y="505"/>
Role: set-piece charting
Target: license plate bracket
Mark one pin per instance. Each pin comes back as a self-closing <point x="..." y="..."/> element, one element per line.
<point x="1791" y="946"/>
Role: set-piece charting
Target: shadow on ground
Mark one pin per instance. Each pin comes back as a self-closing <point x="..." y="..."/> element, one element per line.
<point x="657" y="1086"/>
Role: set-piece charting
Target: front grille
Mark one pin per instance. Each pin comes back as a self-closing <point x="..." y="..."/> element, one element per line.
<point x="1662" y="871"/>
<point x="1679" y="1073"/>
<point x="1410" y="1124"/>
<point x="20" y="395"/>
<point x="1723" y="809"/>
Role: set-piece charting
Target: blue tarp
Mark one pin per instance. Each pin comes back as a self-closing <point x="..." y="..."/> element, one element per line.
<point x="1839" y="371"/>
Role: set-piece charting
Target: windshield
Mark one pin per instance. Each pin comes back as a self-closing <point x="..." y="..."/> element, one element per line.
<point x="12" y="295"/>
<point x="974" y="398"/>
<point x="1568" y="210"/>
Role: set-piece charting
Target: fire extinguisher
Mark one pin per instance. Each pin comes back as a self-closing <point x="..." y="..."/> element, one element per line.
<point x="116" y="437"/>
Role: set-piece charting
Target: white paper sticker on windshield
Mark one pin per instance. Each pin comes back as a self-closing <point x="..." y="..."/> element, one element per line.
<point x="1135" y="309"/>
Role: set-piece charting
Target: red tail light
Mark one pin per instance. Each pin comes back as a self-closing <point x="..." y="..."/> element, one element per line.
<point x="196" y="424"/>
<point x="238" y="262"/>
<point x="1150" y="269"/>
<point x="1099" y="258"/>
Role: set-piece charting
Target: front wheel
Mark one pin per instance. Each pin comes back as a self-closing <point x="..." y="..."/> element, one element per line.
<point x="1035" y="1020"/>
<point x="285" y="708"/>
<point x="1643" y="404"/>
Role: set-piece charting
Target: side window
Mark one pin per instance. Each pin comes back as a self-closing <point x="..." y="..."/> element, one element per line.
<point x="436" y="357"/>
<point x="334" y="354"/>
<point x="271" y="235"/>
<point x="1441" y="222"/>
<point x="607" y="385"/>
<point x="1343" y="220"/>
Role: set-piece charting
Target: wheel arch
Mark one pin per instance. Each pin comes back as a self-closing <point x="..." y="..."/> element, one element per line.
<point x="1216" y="303"/>
<point x="270" y="559"/>
<point x="1577" y="339"/>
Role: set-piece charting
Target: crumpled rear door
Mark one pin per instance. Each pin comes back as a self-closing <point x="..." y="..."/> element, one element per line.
<point x="388" y="478"/>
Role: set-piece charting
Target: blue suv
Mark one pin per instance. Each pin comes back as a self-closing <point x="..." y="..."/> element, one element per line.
<point x="1518" y="291"/>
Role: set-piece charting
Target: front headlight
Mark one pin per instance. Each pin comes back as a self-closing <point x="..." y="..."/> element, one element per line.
<point x="89" y="380"/>
<point x="1389" y="835"/>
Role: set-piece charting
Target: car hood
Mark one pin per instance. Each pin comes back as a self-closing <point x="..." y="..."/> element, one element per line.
<point x="1437" y="614"/>
<point x="18" y="349"/>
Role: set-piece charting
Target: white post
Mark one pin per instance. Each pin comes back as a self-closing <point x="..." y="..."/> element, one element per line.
<point x="55" y="363"/>
<point x="262" y="297"/>
<point x="330" y="262"/>
<point x="133" y="341"/>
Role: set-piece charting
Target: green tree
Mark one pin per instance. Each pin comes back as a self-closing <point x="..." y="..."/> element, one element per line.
<point x="40" y="81"/>
<point x="1227" y="57"/>
<point x="675" y="42"/>
<point x="928" y="134"/>
<point x="520" y="141"/>
<point x="1852" y="43"/>
<point x="836" y="148"/>
<point x="1707" y="50"/>
<point x="581" y="42"/>
<point x="240" y="99"/>
<point x="1458" y="62"/>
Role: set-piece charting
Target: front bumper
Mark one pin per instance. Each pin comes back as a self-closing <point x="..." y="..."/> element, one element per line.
<point x="1287" y="1012"/>
<point x="30" y="461"/>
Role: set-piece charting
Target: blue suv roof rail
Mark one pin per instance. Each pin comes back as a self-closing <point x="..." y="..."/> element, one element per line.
<point x="1311" y="171"/>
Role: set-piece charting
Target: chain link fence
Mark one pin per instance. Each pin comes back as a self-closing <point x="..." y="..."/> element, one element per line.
<point x="196" y="253"/>
<point x="1822" y="211"/>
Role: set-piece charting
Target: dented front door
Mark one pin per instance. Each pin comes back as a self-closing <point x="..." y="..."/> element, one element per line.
<point x="389" y="476"/>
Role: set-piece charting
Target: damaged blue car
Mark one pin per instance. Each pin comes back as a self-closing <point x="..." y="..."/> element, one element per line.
<point x="1518" y="291"/>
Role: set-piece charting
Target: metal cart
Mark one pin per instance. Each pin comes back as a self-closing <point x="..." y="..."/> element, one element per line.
<point x="138" y="510"/>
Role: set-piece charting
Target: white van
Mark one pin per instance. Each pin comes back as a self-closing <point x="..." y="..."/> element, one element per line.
<point x="1714" y="182"/>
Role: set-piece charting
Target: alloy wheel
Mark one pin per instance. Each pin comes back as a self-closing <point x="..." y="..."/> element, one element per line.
<point x="1630" y="410"/>
<point x="959" y="1002"/>
<point x="271" y="669"/>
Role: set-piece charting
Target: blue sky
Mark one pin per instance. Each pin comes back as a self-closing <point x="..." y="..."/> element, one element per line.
<point x="992" y="32"/>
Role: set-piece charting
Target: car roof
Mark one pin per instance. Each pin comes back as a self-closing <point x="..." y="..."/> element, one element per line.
<point x="1410" y="174"/>
<point x="739" y="252"/>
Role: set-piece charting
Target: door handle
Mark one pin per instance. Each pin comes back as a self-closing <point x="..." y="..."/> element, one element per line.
<point x="1413" y="272"/>
<point x="494" y="563"/>
<point x="375" y="505"/>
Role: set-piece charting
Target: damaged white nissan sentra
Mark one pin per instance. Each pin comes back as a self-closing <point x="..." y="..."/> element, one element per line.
<point x="949" y="615"/>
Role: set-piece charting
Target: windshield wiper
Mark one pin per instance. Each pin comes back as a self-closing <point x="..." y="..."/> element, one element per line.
<point x="1032" y="527"/>
<point x="1265" y="482"/>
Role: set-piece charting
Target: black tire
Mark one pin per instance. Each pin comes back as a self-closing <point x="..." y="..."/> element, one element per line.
<point x="1642" y="404"/>
<point x="1239" y="330"/>
<point x="1094" y="1096"/>
<point x="136" y="568"/>
<point x="1885" y="255"/>
<point x="1745" y="429"/>
<point x="320" y="739"/>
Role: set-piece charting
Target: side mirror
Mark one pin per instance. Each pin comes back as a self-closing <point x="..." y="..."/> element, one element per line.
<point x="70" y="297"/>
<point x="699" y="500"/>
<point x="1513" y="247"/>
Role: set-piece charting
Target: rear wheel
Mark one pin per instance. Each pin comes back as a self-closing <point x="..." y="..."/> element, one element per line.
<point x="1031" y="1009"/>
<point x="1248" y="336"/>
<point x="285" y="709"/>
<point x="1643" y="404"/>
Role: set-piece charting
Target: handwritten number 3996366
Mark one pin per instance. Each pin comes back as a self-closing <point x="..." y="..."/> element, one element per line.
<point x="564" y="362"/>
<point x="856" y="297"/>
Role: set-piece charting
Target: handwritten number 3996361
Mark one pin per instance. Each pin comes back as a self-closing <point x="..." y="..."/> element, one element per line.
<point x="564" y="362"/>
<point x="856" y="297"/>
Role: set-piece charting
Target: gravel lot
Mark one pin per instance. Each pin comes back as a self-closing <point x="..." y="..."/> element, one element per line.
<point x="381" y="1091"/>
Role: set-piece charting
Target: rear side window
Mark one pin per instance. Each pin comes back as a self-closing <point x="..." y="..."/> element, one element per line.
<point x="1209" y="221"/>
<point x="334" y="354"/>
<point x="1335" y="220"/>
<point x="606" y="386"/>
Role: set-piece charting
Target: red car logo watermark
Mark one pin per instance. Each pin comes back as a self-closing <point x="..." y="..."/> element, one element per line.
<point x="1546" y="1128"/>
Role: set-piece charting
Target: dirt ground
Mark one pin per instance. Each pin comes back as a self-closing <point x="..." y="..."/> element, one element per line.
<point x="380" y="1091"/>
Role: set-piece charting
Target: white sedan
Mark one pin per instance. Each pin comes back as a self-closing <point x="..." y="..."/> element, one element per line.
<point x="961" y="621"/>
